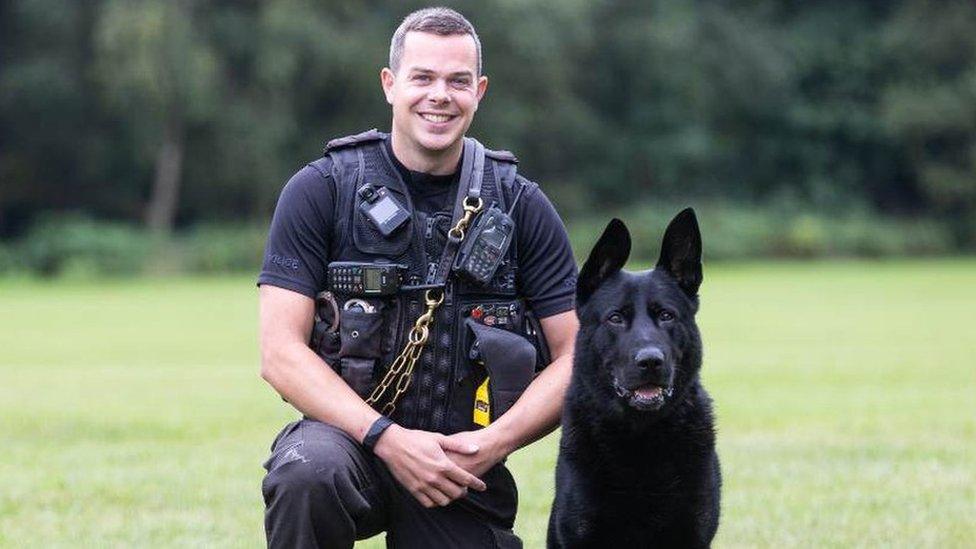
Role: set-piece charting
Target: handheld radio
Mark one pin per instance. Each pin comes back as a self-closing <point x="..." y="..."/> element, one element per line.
<point x="486" y="244"/>
<point x="365" y="279"/>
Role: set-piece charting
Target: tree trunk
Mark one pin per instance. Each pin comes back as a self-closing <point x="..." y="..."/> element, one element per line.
<point x="161" y="210"/>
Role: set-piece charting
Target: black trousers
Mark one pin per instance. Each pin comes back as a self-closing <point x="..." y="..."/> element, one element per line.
<point x="323" y="489"/>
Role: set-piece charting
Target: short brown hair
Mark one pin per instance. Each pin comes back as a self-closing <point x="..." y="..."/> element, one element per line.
<point x="441" y="21"/>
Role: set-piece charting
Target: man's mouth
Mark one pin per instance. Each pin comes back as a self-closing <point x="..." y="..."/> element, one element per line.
<point x="437" y="118"/>
<point x="646" y="397"/>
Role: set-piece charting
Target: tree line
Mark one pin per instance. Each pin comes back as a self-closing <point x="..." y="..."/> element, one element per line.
<point x="175" y="113"/>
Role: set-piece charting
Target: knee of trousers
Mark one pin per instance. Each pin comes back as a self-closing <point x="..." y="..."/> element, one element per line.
<point x="322" y="472"/>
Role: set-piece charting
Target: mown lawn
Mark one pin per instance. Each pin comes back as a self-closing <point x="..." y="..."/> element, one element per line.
<point x="132" y="414"/>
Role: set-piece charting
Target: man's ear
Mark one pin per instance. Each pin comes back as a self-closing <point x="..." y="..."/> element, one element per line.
<point x="681" y="251"/>
<point x="387" y="79"/>
<point x="608" y="256"/>
<point x="482" y="86"/>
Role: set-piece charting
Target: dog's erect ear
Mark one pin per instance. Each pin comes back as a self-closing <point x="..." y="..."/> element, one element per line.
<point x="608" y="256"/>
<point x="681" y="251"/>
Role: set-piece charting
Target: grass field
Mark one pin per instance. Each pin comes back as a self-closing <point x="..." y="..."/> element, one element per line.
<point x="132" y="414"/>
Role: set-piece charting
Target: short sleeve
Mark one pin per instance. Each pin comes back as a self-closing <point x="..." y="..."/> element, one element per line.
<point x="299" y="240"/>
<point x="547" y="268"/>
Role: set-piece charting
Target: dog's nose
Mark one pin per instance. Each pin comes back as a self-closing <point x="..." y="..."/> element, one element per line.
<point x="649" y="358"/>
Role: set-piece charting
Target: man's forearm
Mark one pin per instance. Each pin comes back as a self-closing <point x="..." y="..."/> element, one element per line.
<point x="311" y="386"/>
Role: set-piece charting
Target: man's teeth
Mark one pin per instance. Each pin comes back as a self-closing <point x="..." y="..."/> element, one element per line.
<point x="437" y="118"/>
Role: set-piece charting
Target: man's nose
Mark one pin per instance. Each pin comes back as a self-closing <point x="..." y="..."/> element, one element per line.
<point x="438" y="92"/>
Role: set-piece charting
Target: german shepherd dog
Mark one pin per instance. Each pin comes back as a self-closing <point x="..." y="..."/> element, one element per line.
<point x="637" y="465"/>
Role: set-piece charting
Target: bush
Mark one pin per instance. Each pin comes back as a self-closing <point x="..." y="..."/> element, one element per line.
<point x="76" y="246"/>
<point x="217" y="249"/>
<point x="8" y="265"/>
<point x="742" y="232"/>
<point x="79" y="246"/>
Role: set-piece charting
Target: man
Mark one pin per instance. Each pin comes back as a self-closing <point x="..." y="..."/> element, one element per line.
<point x="433" y="476"/>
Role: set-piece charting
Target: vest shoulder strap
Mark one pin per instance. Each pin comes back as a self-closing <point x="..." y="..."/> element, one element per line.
<point x="503" y="156"/>
<point x="350" y="140"/>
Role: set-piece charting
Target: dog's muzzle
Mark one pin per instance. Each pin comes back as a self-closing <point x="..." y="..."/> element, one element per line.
<point x="645" y="398"/>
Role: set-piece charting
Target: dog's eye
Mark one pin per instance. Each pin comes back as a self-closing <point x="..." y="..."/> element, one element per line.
<point x="615" y="318"/>
<point x="665" y="316"/>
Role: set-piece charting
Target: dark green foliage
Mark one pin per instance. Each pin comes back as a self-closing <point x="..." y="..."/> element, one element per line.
<point x="75" y="245"/>
<point x="851" y="109"/>
<point x="735" y="232"/>
<point x="219" y="248"/>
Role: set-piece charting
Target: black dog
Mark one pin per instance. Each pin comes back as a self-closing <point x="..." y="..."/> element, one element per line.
<point x="637" y="464"/>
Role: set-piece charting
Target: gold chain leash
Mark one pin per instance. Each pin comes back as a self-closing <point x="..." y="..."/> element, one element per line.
<point x="403" y="364"/>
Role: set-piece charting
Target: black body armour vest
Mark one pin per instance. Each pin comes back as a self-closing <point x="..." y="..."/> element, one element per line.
<point x="478" y="331"/>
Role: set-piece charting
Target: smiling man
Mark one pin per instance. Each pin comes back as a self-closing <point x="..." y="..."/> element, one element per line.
<point x="417" y="308"/>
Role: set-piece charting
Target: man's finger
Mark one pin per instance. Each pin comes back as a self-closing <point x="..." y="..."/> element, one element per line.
<point x="464" y="478"/>
<point x="448" y="443"/>
<point x="438" y="497"/>
<point x="451" y="489"/>
<point x="423" y="499"/>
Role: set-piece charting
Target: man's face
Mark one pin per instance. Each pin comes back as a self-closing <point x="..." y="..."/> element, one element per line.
<point x="435" y="91"/>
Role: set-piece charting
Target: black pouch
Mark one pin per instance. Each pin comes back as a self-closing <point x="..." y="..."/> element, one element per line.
<point x="510" y="361"/>
<point x="324" y="342"/>
<point x="324" y="339"/>
<point x="361" y="333"/>
<point x="358" y="374"/>
<point x="361" y="345"/>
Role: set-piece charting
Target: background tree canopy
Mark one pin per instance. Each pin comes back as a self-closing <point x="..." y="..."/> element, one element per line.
<point x="181" y="114"/>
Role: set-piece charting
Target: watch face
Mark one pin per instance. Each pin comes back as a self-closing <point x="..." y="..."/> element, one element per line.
<point x="372" y="279"/>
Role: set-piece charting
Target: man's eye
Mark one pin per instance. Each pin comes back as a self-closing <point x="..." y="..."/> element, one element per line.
<point x="665" y="316"/>
<point x="460" y="82"/>
<point x="421" y="78"/>
<point x="615" y="318"/>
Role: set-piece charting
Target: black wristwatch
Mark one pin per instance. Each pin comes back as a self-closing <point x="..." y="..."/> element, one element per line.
<point x="375" y="431"/>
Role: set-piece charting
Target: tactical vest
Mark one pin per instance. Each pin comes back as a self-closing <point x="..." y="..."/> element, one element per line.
<point x="479" y="330"/>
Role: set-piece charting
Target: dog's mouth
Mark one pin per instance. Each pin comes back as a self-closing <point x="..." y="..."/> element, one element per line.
<point x="647" y="397"/>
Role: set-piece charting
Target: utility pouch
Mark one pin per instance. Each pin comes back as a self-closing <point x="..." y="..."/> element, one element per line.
<point x="324" y="340"/>
<point x="361" y="344"/>
<point x="509" y="360"/>
<point x="533" y="330"/>
<point x="360" y="333"/>
<point x="358" y="374"/>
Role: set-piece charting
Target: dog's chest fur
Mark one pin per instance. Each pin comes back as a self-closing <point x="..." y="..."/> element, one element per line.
<point x="635" y="483"/>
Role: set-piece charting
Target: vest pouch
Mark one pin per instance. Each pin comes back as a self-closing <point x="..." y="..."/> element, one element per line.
<point x="358" y="374"/>
<point x="510" y="361"/>
<point x="533" y="329"/>
<point x="361" y="338"/>
<point x="361" y="333"/>
<point x="324" y="339"/>
<point x="325" y="342"/>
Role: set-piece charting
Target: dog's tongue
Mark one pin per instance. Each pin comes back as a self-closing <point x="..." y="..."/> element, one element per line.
<point x="648" y="391"/>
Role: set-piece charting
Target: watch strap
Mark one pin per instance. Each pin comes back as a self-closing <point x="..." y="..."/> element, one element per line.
<point x="375" y="431"/>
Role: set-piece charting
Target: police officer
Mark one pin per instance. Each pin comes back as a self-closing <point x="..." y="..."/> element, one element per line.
<point x="422" y="461"/>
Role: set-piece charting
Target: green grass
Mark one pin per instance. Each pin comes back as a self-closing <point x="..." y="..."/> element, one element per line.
<point x="132" y="414"/>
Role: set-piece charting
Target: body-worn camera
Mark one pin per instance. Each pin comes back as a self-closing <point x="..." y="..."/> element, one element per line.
<point x="365" y="279"/>
<point x="485" y="246"/>
<point x="381" y="208"/>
